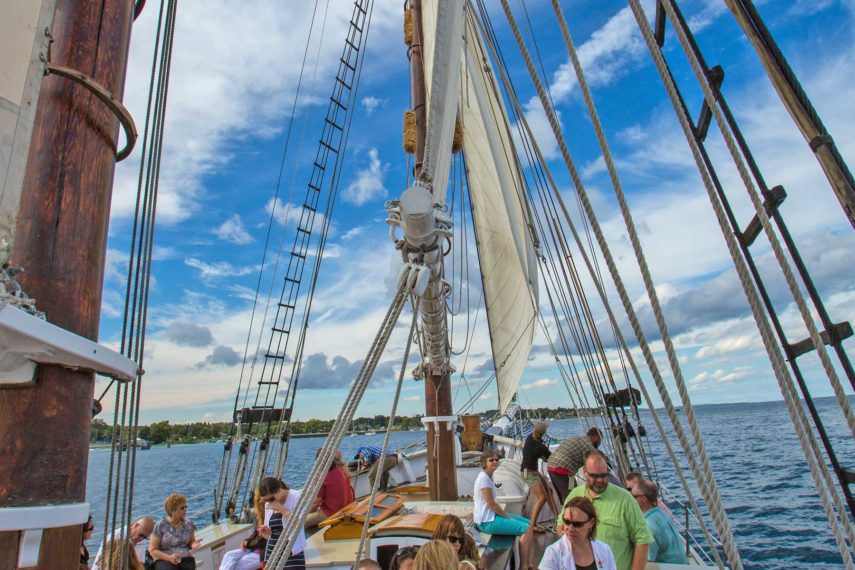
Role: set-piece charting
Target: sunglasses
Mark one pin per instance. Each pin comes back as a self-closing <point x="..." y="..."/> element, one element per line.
<point x="598" y="475"/>
<point x="493" y="459"/>
<point x="638" y="496"/>
<point x="269" y="499"/>
<point x="454" y="539"/>
<point x="575" y="524"/>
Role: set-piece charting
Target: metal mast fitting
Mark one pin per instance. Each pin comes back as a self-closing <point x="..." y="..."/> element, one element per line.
<point x="427" y="229"/>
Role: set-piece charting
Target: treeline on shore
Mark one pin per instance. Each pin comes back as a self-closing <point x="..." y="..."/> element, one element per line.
<point x="166" y="432"/>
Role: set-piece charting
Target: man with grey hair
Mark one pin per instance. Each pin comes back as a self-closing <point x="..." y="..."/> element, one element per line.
<point x="138" y="534"/>
<point x="667" y="547"/>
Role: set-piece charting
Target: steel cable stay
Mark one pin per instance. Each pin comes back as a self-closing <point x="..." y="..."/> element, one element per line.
<point x="520" y="121"/>
<point x="219" y="494"/>
<point x="121" y="472"/>
<point x="263" y="414"/>
<point x="284" y="425"/>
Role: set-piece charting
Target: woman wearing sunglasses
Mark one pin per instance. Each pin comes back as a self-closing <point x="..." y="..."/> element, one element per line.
<point x="279" y="502"/>
<point x="491" y="518"/>
<point x="577" y="549"/>
<point x="450" y="528"/>
<point x="174" y="537"/>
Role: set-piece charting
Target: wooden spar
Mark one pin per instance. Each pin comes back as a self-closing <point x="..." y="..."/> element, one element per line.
<point x="442" y="472"/>
<point x="61" y="241"/>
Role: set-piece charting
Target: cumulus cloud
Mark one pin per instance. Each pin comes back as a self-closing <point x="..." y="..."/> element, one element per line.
<point x="707" y="379"/>
<point x="189" y="334"/>
<point x="538" y="384"/>
<point x="321" y="373"/>
<point x="371" y="103"/>
<point x="368" y="184"/>
<point x="221" y="356"/>
<point x="232" y="231"/>
<point x="209" y="271"/>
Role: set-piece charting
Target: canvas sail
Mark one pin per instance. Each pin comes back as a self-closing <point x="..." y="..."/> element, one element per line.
<point x="508" y="261"/>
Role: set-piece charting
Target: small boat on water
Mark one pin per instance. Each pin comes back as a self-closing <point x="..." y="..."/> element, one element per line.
<point x="476" y="177"/>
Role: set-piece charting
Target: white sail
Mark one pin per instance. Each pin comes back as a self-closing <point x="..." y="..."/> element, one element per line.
<point x="508" y="261"/>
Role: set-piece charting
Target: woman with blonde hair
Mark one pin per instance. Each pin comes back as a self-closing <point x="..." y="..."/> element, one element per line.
<point x="122" y="554"/>
<point x="578" y="548"/>
<point x="436" y="555"/>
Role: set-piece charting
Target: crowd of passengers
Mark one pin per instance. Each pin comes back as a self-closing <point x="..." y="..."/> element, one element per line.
<point x="601" y="525"/>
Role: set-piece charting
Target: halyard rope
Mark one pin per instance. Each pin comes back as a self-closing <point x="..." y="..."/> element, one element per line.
<point x="294" y="522"/>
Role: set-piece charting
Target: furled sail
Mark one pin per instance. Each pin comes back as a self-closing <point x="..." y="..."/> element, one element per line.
<point x="506" y="252"/>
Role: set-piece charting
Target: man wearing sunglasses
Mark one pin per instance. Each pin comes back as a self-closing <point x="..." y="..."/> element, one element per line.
<point x="620" y="522"/>
<point x="667" y="547"/>
<point x="138" y="534"/>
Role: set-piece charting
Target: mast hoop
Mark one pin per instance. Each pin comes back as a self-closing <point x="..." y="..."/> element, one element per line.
<point x="119" y="110"/>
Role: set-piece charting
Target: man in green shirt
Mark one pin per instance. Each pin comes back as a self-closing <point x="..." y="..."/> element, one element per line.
<point x="620" y="523"/>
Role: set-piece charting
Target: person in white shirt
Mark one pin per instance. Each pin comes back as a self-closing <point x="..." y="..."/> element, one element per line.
<point x="491" y="518"/>
<point x="578" y="549"/>
<point x="138" y="534"/>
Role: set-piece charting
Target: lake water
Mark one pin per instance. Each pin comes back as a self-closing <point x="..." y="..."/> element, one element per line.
<point x="768" y="492"/>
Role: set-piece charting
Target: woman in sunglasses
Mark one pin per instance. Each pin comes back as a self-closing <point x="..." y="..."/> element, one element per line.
<point x="451" y="529"/>
<point x="174" y="537"/>
<point x="577" y="549"/>
<point x="491" y="518"/>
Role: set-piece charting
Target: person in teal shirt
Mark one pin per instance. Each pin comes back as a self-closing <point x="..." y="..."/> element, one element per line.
<point x="667" y="546"/>
<point x="620" y="523"/>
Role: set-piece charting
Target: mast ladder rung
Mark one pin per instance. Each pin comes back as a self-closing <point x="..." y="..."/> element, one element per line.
<point x="338" y="104"/>
<point x="344" y="84"/>
<point x="360" y="8"/>
<point x="334" y="125"/>
<point x="275" y="356"/>
<point x="279" y="330"/>
<point x="303" y="231"/>
<point x="353" y="46"/>
<point x="349" y="66"/>
<point x="356" y="26"/>
<point x="716" y="78"/>
<point x="839" y="332"/>
<point x="291" y="280"/>
<point x="777" y="195"/>
<point x="329" y="146"/>
<point x="267" y="383"/>
<point x="298" y="254"/>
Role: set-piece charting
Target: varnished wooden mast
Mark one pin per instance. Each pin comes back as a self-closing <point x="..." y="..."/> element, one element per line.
<point x="61" y="243"/>
<point x="442" y="472"/>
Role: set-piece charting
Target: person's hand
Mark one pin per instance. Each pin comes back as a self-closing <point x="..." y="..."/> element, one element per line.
<point x="264" y="531"/>
<point x="175" y="560"/>
<point x="277" y="506"/>
<point x="196" y="545"/>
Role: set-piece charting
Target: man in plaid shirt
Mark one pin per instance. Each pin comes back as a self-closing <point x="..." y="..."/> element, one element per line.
<point x="569" y="457"/>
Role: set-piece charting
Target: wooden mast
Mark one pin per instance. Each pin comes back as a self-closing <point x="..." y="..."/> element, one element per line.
<point x="61" y="242"/>
<point x="442" y="472"/>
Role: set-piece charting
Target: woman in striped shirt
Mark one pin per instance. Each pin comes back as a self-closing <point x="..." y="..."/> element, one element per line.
<point x="280" y="502"/>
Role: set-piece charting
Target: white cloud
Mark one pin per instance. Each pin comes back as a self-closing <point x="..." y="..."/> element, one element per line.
<point x="368" y="184"/>
<point x="706" y="379"/>
<point x="215" y="270"/>
<point x="412" y="399"/>
<point x="537" y="384"/>
<point x="371" y="103"/>
<point x="233" y="231"/>
<point x="352" y="233"/>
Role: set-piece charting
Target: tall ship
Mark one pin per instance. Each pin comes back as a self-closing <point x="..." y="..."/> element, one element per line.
<point x="495" y="223"/>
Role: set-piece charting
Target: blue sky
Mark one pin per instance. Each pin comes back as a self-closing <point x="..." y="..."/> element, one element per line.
<point x="234" y="77"/>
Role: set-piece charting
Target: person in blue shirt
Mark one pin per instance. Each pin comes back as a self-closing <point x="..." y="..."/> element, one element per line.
<point x="667" y="546"/>
<point x="368" y="455"/>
